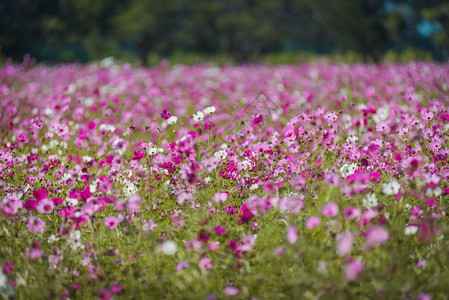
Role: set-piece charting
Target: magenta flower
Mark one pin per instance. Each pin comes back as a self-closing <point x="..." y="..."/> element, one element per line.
<point x="30" y="204"/>
<point x="220" y="230"/>
<point x="103" y="294"/>
<point x="116" y="289"/>
<point x="246" y="214"/>
<point x="230" y="210"/>
<point x="165" y="114"/>
<point x="8" y="267"/>
<point x="40" y="194"/>
<point x="138" y="155"/>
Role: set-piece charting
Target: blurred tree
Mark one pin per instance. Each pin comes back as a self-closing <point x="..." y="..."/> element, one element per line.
<point x="150" y="25"/>
<point x="357" y="25"/>
<point x="437" y="12"/>
<point x="64" y="30"/>
<point x="19" y="27"/>
<point x="247" y="28"/>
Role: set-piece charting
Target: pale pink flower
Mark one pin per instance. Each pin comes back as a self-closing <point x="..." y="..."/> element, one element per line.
<point x="182" y="265"/>
<point x="353" y="269"/>
<point x="35" y="253"/>
<point x="292" y="234"/>
<point x="423" y="296"/>
<point x="351" y="213"/>
<point x="312" y="222"/>
<point x="278" y="251"/>
<point x="231" y="291"/>
<point x="330" y="210"/>
<point x="344" y="243"/>
<point x="205" y="263"/>
<point x="45" y="206"/>
<point x="376" y="235"/>
<point x="220" y="197"/>
<point x="35" y="225"/>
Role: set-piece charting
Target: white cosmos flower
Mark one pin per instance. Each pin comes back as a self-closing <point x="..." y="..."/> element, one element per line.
<point x="409" y="230"/>
<point x="152" y="151"/>
<point x="348" y="169"/>
<point x="87" y="158"/>
<point x="3" y="279"/>
<point x="391" y="188"/>
<point x="369" y="201"/>
<point x="254" y="187"/>
<point x="198" y="116"/>
<point x="172" y="120"/>
<point x="221" y="154"/>
<point x="169" y="247"/>
<point x="209" y="110"/>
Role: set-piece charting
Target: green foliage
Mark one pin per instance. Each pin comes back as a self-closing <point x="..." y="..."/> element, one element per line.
<point x="243" y="30"/>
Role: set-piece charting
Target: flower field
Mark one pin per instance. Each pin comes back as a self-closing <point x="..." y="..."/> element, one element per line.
<point x="242" y="182"/>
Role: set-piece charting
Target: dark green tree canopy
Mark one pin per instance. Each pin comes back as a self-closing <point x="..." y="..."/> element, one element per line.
<point x="68" y="30"/>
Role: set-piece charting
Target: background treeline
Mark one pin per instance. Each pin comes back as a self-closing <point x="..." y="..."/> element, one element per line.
<point x="237" y="30"/>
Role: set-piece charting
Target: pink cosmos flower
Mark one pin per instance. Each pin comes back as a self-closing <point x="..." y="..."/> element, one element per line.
<point x="312" y="222"/>
<point x="11" y="204"/>
<point x="104" y="294"/>
<point x="213" y="246"/>
<point x="220" y="230"/>
<point x="424" y="296"/>
<point x="344" y="243"/>
<point x="116" y="289"/>
<point x="8" y="267"/>
<point x="111" y="222"/>
<point x="247" y="243"/>
<point x="353" y="269"/>
<point x="351" y="213"/>
<point x="330" y="210"/>
<point x="205" y="263"/>
<point x="35" y="253"/>
<point x="30" y="204"/>
<point x="292" y="234"/>
<point x="231" y="291"/>
<point x="278" y="251"/>
<point x="182" y="265"/>
<point x="40" y="194"/>
<point x="45" y="206"/>
<point x="220" y="197"/>
<point x="149" y="225"/>
<point x="376" y="235"/>
<point x="35" y="225"/>
<point x="133" y="203"/>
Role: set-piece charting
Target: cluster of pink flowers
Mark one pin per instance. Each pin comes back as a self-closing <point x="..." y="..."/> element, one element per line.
<point x="333" y="148"/>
